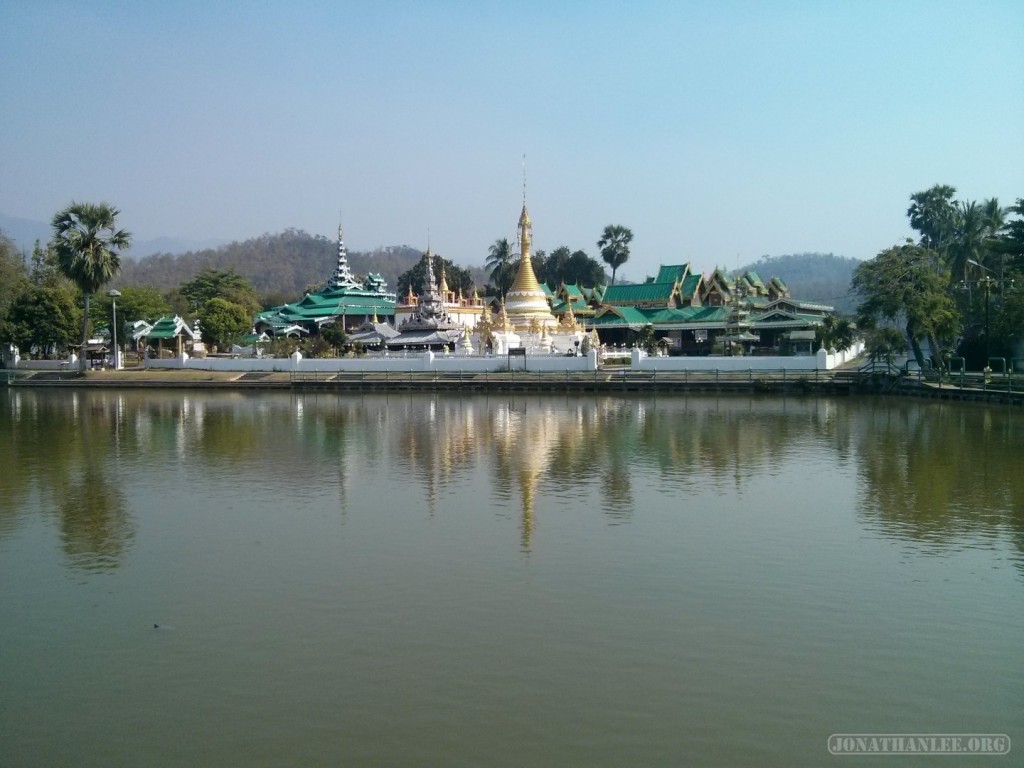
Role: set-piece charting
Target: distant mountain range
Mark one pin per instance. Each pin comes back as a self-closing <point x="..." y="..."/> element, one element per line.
<point x="283" y="266"/>
<point x="25" y="233"/>
<point x="819" y="277"/>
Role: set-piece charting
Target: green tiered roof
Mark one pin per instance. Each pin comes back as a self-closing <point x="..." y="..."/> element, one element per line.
<point x="650" y="294"/>
<point x="689" y="287"/>
<point x="169" y="328"/>
<point x="343" y="297"/>
<point x="671" y="274"/>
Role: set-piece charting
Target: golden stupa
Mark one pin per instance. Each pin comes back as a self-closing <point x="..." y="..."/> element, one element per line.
<point x="526" y="302"/>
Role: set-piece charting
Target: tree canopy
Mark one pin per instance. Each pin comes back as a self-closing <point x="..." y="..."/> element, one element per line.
<point x="908" y="283"/>
<point x="614" y="245"/>
<point x="458" y="278"/>
<point x="213" y="283"/>
<point x="13" y="281"/>
<point x="223" y="322"/>
<point x="563" y="265"/>
<point x="44" y="317"/>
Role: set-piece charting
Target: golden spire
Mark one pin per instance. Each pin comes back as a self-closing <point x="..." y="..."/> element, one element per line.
<point x="504" y="317"/>
<point x="443" y="287"/>
<point x="526" y="278"/>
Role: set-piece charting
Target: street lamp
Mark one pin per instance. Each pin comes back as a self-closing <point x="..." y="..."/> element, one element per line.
<point x="117" y="357"/>
<point x="987" y="282"/>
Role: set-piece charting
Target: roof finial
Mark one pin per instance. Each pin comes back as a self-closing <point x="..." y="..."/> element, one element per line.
<point x="524" y="179"/>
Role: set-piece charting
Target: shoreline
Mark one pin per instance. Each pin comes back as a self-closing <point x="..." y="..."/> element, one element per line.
<point x="607" y="381"/>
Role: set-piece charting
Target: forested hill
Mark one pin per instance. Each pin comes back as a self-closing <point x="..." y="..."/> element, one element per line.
<point x="280" y="266"/>
<point x="820" y="277"/>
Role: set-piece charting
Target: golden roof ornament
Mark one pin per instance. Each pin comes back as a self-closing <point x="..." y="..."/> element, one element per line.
<point x="485" y="319"/>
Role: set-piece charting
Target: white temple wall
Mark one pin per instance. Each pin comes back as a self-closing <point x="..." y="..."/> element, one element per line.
<point x="820" y="361"/>
<point x="396" y="363"/>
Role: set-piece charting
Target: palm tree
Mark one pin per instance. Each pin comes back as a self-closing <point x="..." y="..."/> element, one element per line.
<point x="499" y="262"/>
<point x="968" y="233"/>
<point x="614" y="245"/>
<point x="88" y="246"/>
<point x="994" y="216"/>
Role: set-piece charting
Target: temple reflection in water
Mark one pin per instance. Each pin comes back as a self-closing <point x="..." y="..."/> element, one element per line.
<point x="923" y="471"/>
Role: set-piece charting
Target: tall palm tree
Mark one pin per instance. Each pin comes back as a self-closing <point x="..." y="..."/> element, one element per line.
<point x="614" y="245"/>
<point x="499" y="262"/>
<point x="994" y="216"/>
<point x="968" y="234"/>
<point x="88" y="246"/>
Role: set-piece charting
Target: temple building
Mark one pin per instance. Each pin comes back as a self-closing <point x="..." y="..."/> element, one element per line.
<point x="461" y="309"/>
<point x="430" y="326"/>
<point x="343" y="301"/>
<point x="697" y="315"/>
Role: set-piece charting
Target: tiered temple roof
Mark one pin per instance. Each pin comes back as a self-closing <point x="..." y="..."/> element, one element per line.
<point x="430" y="326"/>
<point x="343" y="297"/>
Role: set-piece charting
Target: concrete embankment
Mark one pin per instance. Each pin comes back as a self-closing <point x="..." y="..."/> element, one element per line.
<point x="610" y="381"/>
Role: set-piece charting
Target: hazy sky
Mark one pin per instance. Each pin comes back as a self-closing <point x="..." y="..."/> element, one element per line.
<point x="717" y="131"/>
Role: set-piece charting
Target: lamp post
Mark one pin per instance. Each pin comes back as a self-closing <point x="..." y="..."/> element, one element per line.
<point x="117" y="356"/>
<point x="987" y="282"/>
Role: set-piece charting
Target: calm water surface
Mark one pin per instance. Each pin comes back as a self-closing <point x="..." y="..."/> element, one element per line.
<point x="236" y="580"/>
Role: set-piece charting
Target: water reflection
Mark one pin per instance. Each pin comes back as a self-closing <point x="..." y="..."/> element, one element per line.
<point x="940" y="471"/>
<point x="928" y="472"/>
<point x="63" y="450"/>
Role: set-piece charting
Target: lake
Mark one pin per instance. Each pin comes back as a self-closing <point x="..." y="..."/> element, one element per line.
<point x="239" y="579"/>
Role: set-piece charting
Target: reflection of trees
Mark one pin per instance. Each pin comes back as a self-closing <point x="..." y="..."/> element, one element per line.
<point x="95" y="526"/>
<point x="933" y="472"/>
<point x="15" y="480"/>
<point x="65" y="449"/>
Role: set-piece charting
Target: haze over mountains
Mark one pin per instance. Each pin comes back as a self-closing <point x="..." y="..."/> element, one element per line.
<point x="25" y="233"/>
<point x="283" y="266"/>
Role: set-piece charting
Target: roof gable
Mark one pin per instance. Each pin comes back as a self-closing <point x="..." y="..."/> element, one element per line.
<point x="672" y="273"/>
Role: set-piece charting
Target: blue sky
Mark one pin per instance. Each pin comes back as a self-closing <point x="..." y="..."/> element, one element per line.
<point x="718" y="131"/>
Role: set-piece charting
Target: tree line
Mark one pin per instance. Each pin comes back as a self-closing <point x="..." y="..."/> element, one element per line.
<point x="562" y="265"/>
<point x="958" y="287"/>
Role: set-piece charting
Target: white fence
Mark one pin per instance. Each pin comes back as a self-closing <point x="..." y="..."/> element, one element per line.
<point x="421" y="361"/>
<point x="429" y="361"/>
<point x="820" y="361"/>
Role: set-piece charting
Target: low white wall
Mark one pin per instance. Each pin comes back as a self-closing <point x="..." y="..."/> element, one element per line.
<point x="421" y="361"/>
<point x="821" y="361"/>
